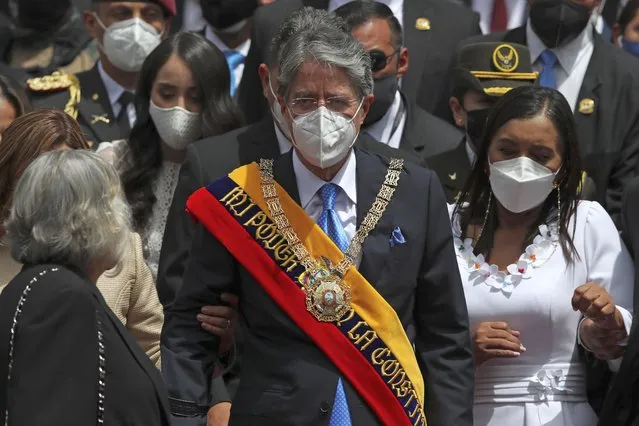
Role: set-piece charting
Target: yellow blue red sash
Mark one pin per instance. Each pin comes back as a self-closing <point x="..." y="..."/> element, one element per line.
<point x="369" y="345"/>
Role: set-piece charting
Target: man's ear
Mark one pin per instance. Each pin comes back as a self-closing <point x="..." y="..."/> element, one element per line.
<point x="402" y="65"/>
<point x="459" y="113"/>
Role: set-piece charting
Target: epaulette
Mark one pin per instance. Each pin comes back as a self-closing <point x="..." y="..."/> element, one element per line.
<point x="57" y="82"/>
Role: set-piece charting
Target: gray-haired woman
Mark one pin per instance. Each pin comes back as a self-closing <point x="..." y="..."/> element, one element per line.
<point x="66" y="358"/>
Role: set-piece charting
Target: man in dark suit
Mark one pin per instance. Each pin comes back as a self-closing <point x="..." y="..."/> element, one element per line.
<point x="101" y="99"/>
<point x="599" y="81"/>
<point x="287" y="378"/>
<point x="479" y="79"/>
<point x="393" y="120"/>
<point x="432" y="31"/>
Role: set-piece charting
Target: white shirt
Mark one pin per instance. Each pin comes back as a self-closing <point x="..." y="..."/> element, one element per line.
<point x="242" y="48"/>
<point x="515" y="10"/>
<point x="284" y="144"/>
<point x="396" y="6"/>
<point x="114" y="91"/>
<point x="308" y="186"/>
<point x="192" y="19"/>
<point x="382" y="130"/>
<point x="573" y="59"/>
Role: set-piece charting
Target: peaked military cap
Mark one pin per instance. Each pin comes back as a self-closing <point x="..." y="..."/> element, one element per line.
<point x="493" y="68"/>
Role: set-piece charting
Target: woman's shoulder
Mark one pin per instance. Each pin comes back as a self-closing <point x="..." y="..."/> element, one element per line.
<point x="592" y="214"/>
<point x="53" y="281"/>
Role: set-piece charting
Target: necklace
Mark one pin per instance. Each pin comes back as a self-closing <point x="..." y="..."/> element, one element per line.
<point x="328" y="298"/>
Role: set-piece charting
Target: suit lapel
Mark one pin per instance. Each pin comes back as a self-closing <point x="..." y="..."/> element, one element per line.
<point x="285" y="175"/>
<point x="259" y="141"/>
<point x="410" y="142"/>
<point x="586" y="115"/>
<point x="95" y="108"/>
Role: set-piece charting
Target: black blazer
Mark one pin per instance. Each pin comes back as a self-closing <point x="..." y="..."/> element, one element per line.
<point x="286" y="379"/>
<point x="609" y="137"/>
<point x="431" y="50"/>
<point x="621" y="406"/>
<point x="95" y="114"/>
<point x="54" y="380"/>
<point x="452" y="168"/>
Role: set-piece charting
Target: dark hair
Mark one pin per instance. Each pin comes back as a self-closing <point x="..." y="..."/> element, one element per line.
<point x="219" y="114"/>
<point x="12" y="92"/>
<point x="359" y="12"/>
<point x="628" y="14"/>
<point x="525" y="103"/>
<point x="26" y="138"/>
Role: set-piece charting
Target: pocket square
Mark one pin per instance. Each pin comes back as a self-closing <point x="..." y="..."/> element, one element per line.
<point x="397" y="237"/>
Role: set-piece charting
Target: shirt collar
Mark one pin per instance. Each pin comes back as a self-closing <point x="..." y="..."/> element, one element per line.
<point x="213" y="38"/>
<point x="113" y="89"/>
<point x="568" y="54"/>
<point x="378" y="129"/>
<point x="308" y="184"/>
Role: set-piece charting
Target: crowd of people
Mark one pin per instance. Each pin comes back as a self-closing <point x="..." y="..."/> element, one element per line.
<point x="319" y="212"/>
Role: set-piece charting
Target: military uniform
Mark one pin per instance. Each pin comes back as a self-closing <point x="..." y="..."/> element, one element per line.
<point x="84" y="97"/>
<point x="452" y="168"/>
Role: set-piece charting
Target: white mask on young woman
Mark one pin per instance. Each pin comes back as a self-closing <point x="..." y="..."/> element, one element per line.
<point x="128" y="43"/>
<point x="521" y="184"/>
<point x="324" y="137"/>
<point x="176" y="126"/>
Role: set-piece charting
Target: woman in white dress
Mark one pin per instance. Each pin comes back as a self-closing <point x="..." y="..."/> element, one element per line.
<point x="535" y="261"/>
<point x="183" y="96"/>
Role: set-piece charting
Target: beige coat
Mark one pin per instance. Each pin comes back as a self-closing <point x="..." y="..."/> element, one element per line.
<point x="128" y="289"/>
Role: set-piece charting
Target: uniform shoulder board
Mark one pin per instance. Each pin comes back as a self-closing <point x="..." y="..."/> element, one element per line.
<point x="50" y="83"/>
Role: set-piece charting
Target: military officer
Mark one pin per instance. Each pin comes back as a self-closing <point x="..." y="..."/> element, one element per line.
<point x="484" y="72"/>
<point x="101" y="99"/>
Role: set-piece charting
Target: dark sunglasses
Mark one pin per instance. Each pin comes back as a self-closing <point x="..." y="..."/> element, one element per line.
<point x="379" y="60"/>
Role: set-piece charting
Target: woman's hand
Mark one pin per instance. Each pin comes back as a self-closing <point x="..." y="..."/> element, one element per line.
<point x="221" y="321"/>
<point x="496" y="340"/>
<point x="604" y="327"/>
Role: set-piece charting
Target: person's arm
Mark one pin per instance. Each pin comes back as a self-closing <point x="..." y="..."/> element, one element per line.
<point x="443" y="343"/>
<point x="622" y="173"/>
<point x="55" y="370"/>
<point x="176" y="242"/>
<point x="145" y="316"/>
<point x="188" y="350"/>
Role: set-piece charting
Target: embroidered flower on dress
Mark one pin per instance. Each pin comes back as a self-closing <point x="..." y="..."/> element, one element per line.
<point x="546" y="382"/>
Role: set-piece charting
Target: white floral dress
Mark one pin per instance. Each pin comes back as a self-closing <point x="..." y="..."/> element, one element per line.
<point x="546" y="384"/>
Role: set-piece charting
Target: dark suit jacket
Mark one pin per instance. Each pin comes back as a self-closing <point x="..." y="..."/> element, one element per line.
<point x="95" y="115"/>
<point x="425" y="134"/>
<point x="609" y="137"/>
<point x="621" y="406"/>
<point x="54" y="380"/>
<point x="286" y="379"/>
<point x="452" y="168"/>
<point x="431" y="50"/>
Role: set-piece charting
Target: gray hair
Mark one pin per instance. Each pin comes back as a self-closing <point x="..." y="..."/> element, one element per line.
<point x="328" y="44"/>
<point x="68" y="208"/>
<point x="307" y="18"/>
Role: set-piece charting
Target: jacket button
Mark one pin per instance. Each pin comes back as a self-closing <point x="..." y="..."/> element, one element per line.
<point x="325" y="407"/>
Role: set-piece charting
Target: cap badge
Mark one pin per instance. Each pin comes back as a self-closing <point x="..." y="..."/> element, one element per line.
<point x="587" y="106"/>
<point x="422" y="24"/>
<point x="505" y="58"/>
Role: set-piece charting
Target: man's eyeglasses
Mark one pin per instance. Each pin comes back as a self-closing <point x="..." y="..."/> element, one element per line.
<point x="379" y="59"/>
<point x="340" y="104"/>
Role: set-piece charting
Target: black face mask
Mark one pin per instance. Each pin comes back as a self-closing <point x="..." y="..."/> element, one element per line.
<point x="221" y="14"/>
<point x="41" y="15"/>
<point x="384" y="89"/>
<point x="475" y="125"/>
<point x="557" y="22"/>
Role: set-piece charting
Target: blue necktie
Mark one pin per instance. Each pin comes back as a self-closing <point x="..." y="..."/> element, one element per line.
<point x="233" y="59"/>
<point x="331" y="225"/>
<point x="548" y="76"/>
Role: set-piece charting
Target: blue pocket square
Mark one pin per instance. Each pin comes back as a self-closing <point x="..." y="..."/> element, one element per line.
<point x="396" y="237"/>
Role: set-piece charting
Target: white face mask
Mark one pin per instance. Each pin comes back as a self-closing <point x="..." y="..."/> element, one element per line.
<point x="276" y="111"/>
<point x="128" y="43"/>
<point x="520" y="184"/>
<point x="176" y="126"/>
<point x="324" y="137"/>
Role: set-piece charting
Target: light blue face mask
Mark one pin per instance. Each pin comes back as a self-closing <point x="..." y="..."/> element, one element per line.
<point x="631" y="47"/>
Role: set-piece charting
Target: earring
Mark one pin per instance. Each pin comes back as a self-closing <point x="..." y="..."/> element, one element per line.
<point x="558" y="205"/>
<point x="483" y="225"/>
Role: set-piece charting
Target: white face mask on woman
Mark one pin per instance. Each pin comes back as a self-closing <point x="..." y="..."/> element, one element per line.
<point x="324" y="137"/>
<point x="128" y="43"/>
<point x="176" y="126"/>
<point x="521" y="184"/>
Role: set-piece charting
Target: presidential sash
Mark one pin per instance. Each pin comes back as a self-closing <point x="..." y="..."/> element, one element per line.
<point x="368" y="345"/>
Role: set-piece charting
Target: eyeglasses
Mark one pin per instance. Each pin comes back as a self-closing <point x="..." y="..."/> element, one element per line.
<point x="379" y="59"/>
<point x="340" y="104"/>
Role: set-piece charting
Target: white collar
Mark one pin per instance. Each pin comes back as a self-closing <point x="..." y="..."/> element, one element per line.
<point x="213" y="38"/>
<point x="283" y="142"/>
<point x="308" y="184"/>
<point x="381" y="130"/>
<point x="568" y="54"/>
<point x="113" y="88"/>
